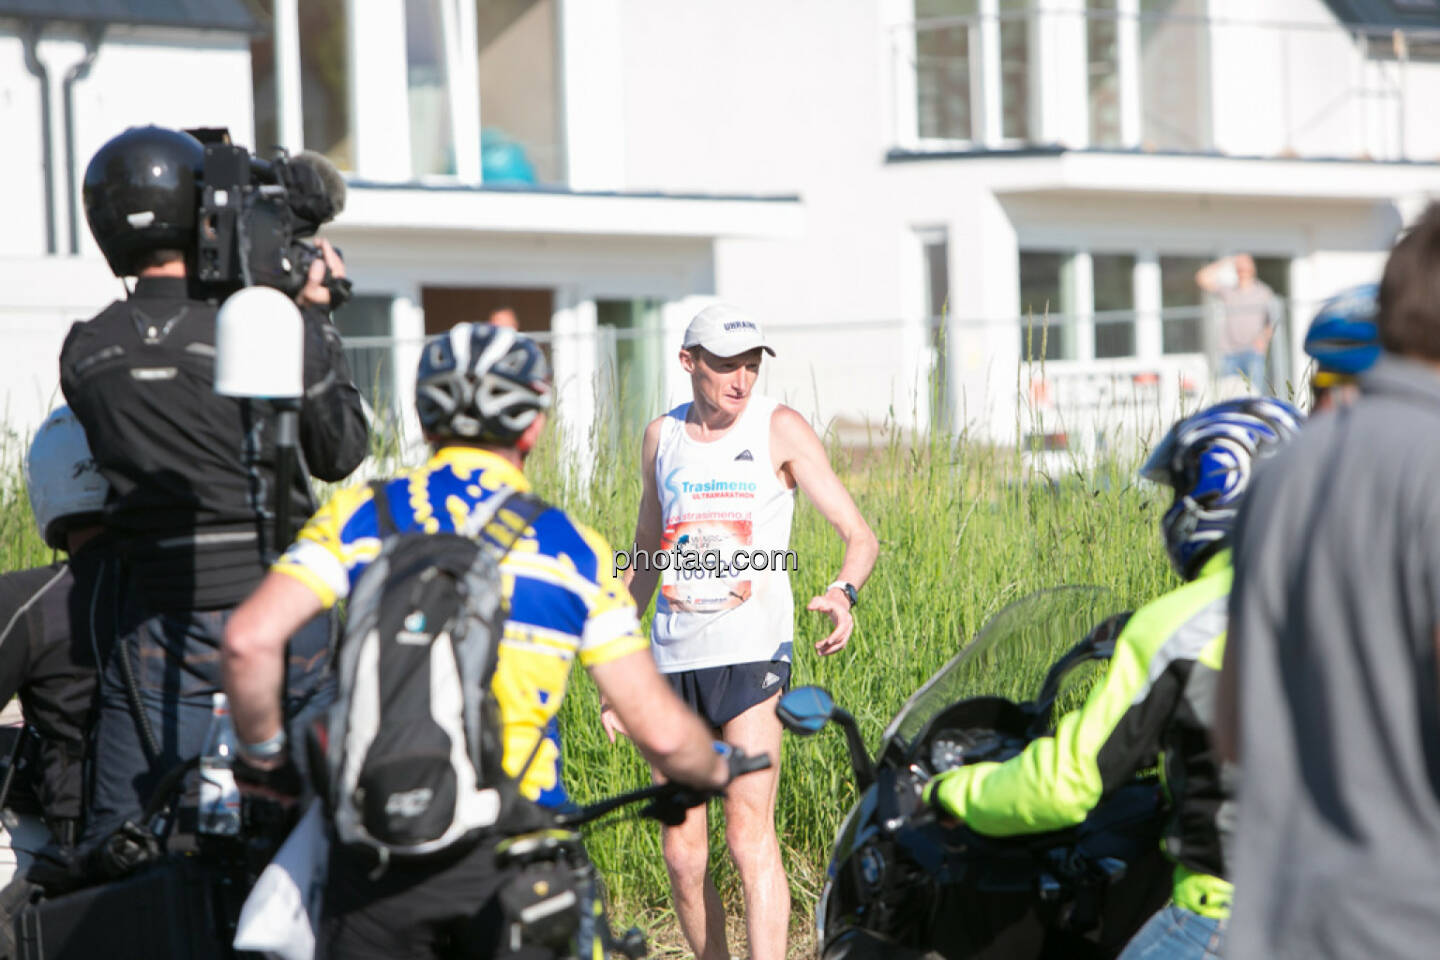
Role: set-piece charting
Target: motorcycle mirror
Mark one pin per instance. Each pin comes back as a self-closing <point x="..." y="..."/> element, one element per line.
<point x="804" y="711"/>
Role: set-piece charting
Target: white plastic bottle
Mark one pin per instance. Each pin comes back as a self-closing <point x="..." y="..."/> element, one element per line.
<point x="219" y="812"/>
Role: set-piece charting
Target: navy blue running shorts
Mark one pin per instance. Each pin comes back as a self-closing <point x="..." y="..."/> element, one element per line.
<point x="720" y="694"/>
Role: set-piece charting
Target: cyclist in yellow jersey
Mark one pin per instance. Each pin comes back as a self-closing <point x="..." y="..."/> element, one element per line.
<point x="482" y="394"/>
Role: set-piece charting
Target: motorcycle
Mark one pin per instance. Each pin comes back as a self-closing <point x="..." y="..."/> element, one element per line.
<point x="904" y="883"/>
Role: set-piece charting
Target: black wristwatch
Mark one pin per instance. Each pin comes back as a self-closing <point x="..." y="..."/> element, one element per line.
<point x="849" y="590"/>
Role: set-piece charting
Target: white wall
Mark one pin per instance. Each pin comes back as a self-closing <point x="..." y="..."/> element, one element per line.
<point x="172" y="78"/>
<point x="20" y="161"/>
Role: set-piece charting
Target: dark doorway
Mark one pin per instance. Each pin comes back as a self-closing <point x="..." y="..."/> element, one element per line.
<point x="446" y="306"/>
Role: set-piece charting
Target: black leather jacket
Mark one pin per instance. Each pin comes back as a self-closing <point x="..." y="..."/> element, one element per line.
<point x="193" y="472"/>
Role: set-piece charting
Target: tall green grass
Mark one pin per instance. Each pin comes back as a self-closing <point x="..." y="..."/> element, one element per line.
<point x="964" y="529"/>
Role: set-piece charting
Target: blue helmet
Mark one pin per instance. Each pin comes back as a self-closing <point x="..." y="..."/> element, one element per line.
<point x="1207" y="459"/>
<point x="1343" y="337"/>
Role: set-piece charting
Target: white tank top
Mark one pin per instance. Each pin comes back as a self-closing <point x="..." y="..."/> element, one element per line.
<point x="715" y="499"/>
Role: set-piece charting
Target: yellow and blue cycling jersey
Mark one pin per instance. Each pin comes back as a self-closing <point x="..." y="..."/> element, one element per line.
<point x="565" y="600"/>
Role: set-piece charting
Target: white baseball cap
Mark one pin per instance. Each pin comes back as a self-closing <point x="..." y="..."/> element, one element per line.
<point x="726" y="331"/>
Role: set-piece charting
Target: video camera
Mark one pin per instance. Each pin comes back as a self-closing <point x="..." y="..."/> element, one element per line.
<point x="255" y="215"/>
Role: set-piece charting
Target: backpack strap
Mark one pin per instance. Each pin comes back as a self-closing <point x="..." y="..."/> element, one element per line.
<point x="383" y="518"/>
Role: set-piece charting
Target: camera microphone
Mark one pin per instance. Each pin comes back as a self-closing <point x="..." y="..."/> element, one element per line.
<point x="328" y="174"/>
<point x="317" y="189"/>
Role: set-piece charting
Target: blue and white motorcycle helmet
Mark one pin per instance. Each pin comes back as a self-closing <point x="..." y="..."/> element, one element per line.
<point x="1207" y="459"/>
<point x="1343" y="338"/>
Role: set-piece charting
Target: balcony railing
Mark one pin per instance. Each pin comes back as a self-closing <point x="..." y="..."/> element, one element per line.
<point x="1155" y="75"/>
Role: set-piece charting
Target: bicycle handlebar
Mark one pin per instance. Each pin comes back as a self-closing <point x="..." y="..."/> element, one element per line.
<point x="741" y="763"/>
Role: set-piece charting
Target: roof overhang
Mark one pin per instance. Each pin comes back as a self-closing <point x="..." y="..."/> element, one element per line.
<point x="1058" y="170"/>
<point x="193" y="14"/>
<point x="412" y="207"/>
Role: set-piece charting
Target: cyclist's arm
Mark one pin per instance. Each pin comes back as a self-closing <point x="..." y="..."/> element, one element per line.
<point x="648" y="521"/>
<point x="1056" y="781"/>
<point x="673" y="739"/>
<point x="253" y="654"/>
<point x="310" y="577"/>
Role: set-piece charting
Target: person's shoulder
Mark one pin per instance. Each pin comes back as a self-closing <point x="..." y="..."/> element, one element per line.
<point x="562" y="537"/>
<point x="81" y="330"/>
<point x="19" y="587"/>
<point x="789" y="421"/>
<point x="345" y="511"/>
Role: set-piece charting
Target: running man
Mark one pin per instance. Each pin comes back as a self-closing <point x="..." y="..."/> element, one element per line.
<point x="719" y="477"/>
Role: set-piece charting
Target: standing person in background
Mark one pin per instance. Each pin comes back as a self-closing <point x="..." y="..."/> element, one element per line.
<point x="1248" y="311"/>
<point x="719" y="474"/>
<point x="1332" y="672"/>
<point x="504" y="317"/>
<point x="190" y="517"/>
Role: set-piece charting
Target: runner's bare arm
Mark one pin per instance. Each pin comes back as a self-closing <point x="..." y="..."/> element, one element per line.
<point x="253" y="653"/>
<point x="799" y="453"/>
<point x="673" y="739"/>
<point x="648" y="522"/>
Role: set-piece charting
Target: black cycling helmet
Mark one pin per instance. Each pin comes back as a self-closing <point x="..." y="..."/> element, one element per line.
<point x="141" y="193"/>
<point x="481" y="383"/>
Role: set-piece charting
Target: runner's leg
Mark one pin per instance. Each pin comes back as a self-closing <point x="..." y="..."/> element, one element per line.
<point x="697" y="902"/>
<point x="750" y="832"/>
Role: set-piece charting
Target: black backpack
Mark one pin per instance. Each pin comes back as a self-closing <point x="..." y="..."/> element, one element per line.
<point x="414" y="747"/>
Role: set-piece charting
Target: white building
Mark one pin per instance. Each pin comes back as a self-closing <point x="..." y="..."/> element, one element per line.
<point x="890" y="185"/>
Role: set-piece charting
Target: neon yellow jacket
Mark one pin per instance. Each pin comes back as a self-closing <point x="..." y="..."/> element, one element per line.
<point x="1155" y="702"/>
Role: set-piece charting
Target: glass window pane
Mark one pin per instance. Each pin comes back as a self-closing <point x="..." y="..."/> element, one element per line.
<point x="325" y="81"/>
<point x="1114" y="304"/>
<point x="519" y="92"/>
<point x="371" y="365"/>
<point x="942" y="68"/>
<point x="1182" y="305"/>
<point x="935" y="254"/>
<point x="637" y="377"/>
<point x="432" y="141"/>
<point x="1102" y="47"/>
<point x="1174" y="75"/>
<point x="262" y="77"/>
<point x="1015" y="69"/>
<point x="1042" y="305"/>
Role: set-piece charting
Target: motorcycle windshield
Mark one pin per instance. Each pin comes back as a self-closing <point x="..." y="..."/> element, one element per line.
<point x="1008" y="657"/>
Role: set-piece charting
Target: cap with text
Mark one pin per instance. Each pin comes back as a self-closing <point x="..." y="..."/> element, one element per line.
<point x="725" y="331"/>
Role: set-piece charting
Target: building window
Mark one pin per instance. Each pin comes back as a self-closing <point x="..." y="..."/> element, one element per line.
<point x="262" y="77"/>
<point x="520" y="140"/>
<point x="1174" y="75"/>
<point x="935" y="262"/>
<point x="325" y="81"/>
<point x="636" y="376"/>
<point x="1182" y="306"/>
<point x="365" y="324"/>
<point x="1102" y="48"/>
<point x="432" y="134"/>
<point x="1015" y="69"/>
<point x="1044" y="305"/>
<point x="1114" y="286"/>
<point x="943" y="55"/>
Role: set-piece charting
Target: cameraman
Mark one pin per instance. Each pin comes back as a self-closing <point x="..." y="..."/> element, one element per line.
<point x="191" y="511"/>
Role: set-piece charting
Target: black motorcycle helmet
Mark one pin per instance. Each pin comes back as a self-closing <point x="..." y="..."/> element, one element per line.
<point x="141" y="192"/>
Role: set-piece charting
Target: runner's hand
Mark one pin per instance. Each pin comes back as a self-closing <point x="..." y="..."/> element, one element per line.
<point x="836" y="606"/>
<point x="611" y="722"/>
